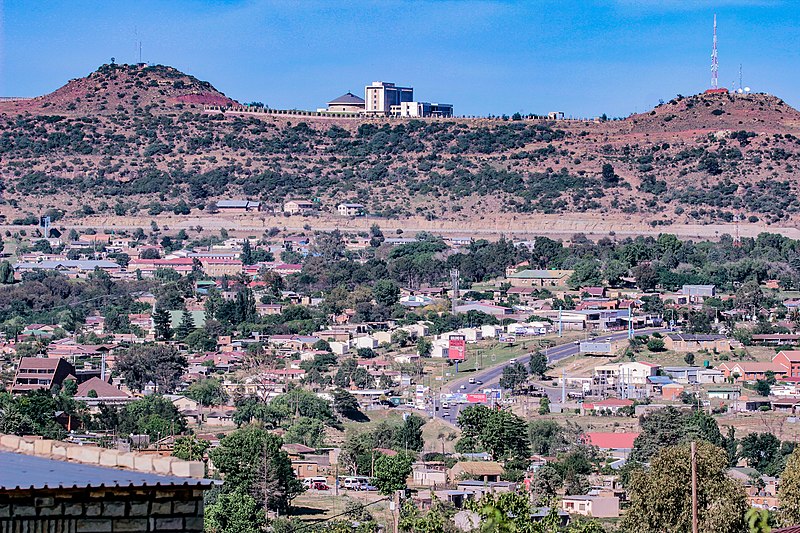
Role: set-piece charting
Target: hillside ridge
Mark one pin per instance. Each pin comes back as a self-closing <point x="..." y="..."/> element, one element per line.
<point x="134" y="139"/>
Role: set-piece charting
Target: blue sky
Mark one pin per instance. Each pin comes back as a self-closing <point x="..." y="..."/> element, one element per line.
<point x="486" y="57"/>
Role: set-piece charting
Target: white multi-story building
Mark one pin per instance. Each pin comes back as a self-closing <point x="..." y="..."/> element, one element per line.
<point x="381" y="96"/>
<point x="421" y="109"/>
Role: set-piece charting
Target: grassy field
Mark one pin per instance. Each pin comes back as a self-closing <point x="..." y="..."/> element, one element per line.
<point x="322" y="505"/>
<point x="436" y="433"/>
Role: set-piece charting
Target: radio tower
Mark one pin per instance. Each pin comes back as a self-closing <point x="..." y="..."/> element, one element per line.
<point x="714" y="63"/>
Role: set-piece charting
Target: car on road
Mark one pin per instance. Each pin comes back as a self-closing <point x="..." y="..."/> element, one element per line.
<point x="478" y="382"/>
<point x="445" y="405"/>
<point x="512" y="361"/>
<point x="462" y="387"/>
<point x="471" y="381"/>
<point x="577" y="343"/>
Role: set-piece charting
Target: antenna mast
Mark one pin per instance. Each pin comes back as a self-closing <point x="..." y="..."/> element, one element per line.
<point x="714" y="62"/>
<point x="741" y="86"/>
<point x="454" y="275"/>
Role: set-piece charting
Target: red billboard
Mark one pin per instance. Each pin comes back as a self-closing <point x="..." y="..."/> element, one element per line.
<point x="476" y="398"/>
<point x="457" y="348"/>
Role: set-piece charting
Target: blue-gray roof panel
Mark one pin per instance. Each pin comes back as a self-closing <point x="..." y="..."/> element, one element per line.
<point x="18" y="471"/>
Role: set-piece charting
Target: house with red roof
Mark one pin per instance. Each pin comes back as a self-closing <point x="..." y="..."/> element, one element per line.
<point x="34" y="373"/>
<point x="790" y="360"/>
<point x="612" y="405"/>
<point x="617" y="444"/>
<point x="95" y="391"/>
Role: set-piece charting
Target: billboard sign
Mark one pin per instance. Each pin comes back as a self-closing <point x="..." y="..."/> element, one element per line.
<point x="476" y="398"/>
<point x="457" y="348"/>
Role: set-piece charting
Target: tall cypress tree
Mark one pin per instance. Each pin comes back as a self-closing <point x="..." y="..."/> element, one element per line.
<point x="162" y="324"/>
<point x="186" y="326"/>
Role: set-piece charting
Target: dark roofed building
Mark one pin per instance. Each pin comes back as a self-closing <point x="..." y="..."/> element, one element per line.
<point x="238" y="206"/>
<point x="347" y="103"/>
<point x="41" y="494"/>
<point x="35" y="373"/>
<point x="685" y="342"/>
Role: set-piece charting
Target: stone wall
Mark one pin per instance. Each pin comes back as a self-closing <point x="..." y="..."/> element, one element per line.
<point x="93" y="455"/>
<point x="102" y="510"/>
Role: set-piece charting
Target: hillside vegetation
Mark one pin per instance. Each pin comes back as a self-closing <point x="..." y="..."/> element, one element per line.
<point x="134" y="139"/>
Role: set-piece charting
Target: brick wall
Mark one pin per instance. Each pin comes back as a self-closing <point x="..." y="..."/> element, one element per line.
<point x="105" y="510"/>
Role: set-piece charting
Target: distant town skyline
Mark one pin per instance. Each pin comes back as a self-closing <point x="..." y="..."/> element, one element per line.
<point x="584" y="58"/>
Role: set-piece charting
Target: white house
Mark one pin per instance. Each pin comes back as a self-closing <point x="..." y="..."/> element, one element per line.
<point x="489" y="331"/>
<point x="364" y="342"/>
<point x="339" y="348"/>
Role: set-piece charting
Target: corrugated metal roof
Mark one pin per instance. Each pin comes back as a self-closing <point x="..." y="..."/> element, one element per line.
<point x="19" y="471"/>
<point x="67" y="263"/>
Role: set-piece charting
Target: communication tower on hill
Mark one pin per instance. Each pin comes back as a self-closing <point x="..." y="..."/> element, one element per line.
<point x="715" y="88"/>
<point x="714" y="61"/>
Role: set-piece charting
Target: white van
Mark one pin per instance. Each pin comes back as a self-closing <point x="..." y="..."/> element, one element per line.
<point x="355" y="482"/>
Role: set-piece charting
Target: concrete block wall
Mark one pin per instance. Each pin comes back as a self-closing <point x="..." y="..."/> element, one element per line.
<point x="92" y="455"/>
<point x="106" y="510"/>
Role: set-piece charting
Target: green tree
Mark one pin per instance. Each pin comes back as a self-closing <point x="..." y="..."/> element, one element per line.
<point x="186" y="326"/>
<point x="386" y="292"/>
<point x="307" y="431"/>
<point x="234" y="512"/>
<point x="162" y="324"/>
<point x="247" y="253"/>
<point x="544" y="405"/>
<point x="538" y="364"/>
<point x="762" y="387"/>
<point x="305" y="403"/>
<point x="409" y="435"/>
<point x="610" y="178"/>
<point x="669" y="427"/>
<point x="207" y="392"/>
<point x="546" y="484"/>
<point x="391" y="472"/>
<point x="661" y="496"/>
<point x="142" y="364"/>
<point x="789" y="491"/>
<point x="513" y="376"/>
<point x="424" y="347"/>
<point x="346" y="404"/>
<point x="252" y="461"/>
<point x="761" y="451"/>
<point x="646" y="277"/>
<point x="190" y="448"/>
<point x="547" y="437"/>
<point x="655" y="345"/>
<point x="153" y="415"/>
<point x="586" y="274"/>
<point x="6" y="273"/>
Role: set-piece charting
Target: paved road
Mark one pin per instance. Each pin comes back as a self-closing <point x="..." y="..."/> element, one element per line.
<point x="491" y="376"/>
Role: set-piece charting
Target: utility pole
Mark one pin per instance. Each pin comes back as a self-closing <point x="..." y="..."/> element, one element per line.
<point x="396" y="511"/>
<point x="694" y="487"/>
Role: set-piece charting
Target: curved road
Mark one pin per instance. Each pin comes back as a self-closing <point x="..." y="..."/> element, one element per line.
<point x="491" y="376"/>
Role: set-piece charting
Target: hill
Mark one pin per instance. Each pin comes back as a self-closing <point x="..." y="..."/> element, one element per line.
<point x="117" y="88"/>
<point x="133" y="140"/>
